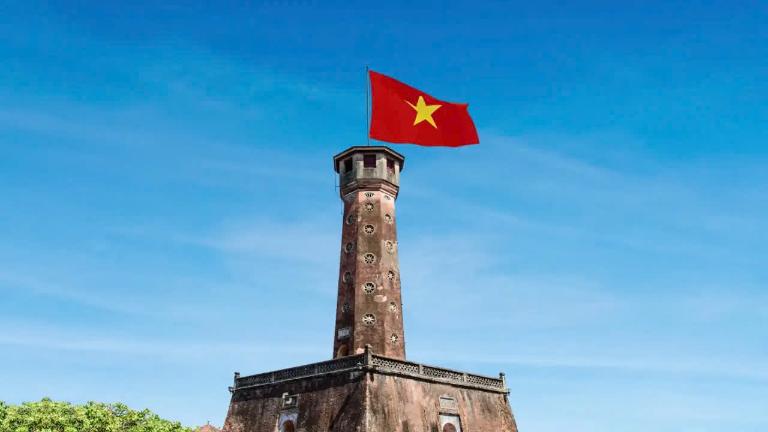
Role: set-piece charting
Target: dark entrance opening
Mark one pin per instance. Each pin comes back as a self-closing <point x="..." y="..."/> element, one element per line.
<point x="288" y="426"/>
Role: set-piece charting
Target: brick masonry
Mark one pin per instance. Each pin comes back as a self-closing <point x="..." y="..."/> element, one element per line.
<point x="369" y="393"/>
<point x="368" y="310"/>
<point x="369" y="386"/>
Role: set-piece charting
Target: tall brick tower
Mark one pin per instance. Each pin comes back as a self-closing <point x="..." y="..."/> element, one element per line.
<point x="368" y="386"/>
<point x="368" y="307"/>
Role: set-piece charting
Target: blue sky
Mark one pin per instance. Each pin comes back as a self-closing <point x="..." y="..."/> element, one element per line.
<point x="169" y="216"/>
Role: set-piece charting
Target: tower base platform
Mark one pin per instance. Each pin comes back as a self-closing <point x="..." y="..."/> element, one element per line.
<point x="369" y="393"/>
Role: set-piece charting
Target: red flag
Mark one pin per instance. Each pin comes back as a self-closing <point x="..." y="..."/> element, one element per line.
<point x="403" y="114"/>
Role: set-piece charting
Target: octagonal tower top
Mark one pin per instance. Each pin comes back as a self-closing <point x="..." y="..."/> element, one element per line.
<point x="377" y="167"/>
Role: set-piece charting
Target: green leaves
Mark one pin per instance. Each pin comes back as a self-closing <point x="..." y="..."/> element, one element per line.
<point x="50" y="416"/>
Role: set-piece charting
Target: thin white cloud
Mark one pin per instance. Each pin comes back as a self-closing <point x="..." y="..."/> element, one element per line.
<point x="729" y="368"/>
<point x="11" y="281"/>
<point x="300" y="242"/>
<point x="49" y="338"/>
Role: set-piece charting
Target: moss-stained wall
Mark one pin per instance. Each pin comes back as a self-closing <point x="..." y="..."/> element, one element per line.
<point x="368" y="402"/>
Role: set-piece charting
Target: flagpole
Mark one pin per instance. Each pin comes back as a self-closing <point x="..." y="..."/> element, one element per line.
<point x="367" y="104"/>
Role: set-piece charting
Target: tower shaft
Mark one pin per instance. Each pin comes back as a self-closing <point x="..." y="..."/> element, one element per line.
<point x="368" y="310"/>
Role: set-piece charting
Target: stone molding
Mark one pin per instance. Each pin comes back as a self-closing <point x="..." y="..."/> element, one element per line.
<point x="369" y="362"/>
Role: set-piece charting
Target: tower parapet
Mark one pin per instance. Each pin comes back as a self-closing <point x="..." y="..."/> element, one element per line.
<point x="376" y="167"/>
<point x="368" y="310"/>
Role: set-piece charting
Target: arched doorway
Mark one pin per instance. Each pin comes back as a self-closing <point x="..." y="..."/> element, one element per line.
<point x="343" y="351"/>
<point x="288" y="426"/>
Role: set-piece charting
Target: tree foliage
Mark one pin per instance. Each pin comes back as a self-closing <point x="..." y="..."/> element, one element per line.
<point x="50" y="416"/>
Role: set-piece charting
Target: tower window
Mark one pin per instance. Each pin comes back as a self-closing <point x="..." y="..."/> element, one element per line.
<point x="369" y="287"/>
<point x="369" y="319"/>
<point x="348" y="165"/>
<point x="290" y="401"/>
<point x="369" y="161"/>
<point x="390" y="165"/>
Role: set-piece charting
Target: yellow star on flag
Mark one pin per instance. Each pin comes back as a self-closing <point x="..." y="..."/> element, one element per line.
<point x="424" y="112"/>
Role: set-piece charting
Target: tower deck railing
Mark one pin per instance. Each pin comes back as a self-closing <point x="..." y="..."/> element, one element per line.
<point x="377" y="364"/>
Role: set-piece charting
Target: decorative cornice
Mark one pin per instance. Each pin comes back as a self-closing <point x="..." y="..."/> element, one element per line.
<point x="370" y="362"/>
<point x="368" y="183"/>
<point x="367" y="149"/>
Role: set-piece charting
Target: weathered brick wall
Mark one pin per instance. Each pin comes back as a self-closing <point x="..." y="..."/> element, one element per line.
<point x="326" y="404"/>
<point x="370" y="402"/>
<point x="368" y="309"/>
<point x="399" y="404"/>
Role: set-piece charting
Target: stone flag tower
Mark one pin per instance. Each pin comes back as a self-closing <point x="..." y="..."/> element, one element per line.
<point x="369" y="386"/>
<point x="368" y="307"/>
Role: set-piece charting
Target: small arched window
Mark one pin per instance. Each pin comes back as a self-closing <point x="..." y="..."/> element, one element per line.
<point x="449" y="427"/>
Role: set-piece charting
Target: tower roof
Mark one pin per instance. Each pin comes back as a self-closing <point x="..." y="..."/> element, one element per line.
<point x="367" y="149"/>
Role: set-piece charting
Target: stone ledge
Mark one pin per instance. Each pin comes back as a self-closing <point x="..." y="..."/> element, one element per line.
<point x="376" y="364"/>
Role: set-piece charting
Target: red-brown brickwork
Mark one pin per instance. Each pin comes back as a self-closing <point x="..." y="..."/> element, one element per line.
<point x="368" y="309"/>
<point x="368" y="386"/>
<point x="368" y="401"/>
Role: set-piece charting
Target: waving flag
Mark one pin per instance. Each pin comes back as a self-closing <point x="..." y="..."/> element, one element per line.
<point x="403" y="114"/>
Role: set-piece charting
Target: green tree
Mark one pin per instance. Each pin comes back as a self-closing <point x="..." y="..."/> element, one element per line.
<point x="51" y="416"/>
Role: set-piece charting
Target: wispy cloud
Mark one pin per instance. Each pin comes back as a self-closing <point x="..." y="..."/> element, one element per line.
<point x="300" y="242"/>
<point x="10" y="281"/>
<point x="630" y="201"/>
<point x="49" y="338"/>
<point x="726" y="368"/>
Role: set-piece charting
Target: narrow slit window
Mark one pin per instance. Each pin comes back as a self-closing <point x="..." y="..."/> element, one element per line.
<point x="348" y="165"/>
<point x="390" y="165"/>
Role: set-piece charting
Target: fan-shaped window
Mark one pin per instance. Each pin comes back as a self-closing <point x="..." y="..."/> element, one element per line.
<point x="369" y="319"/>
<point x="369" y="287"/>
